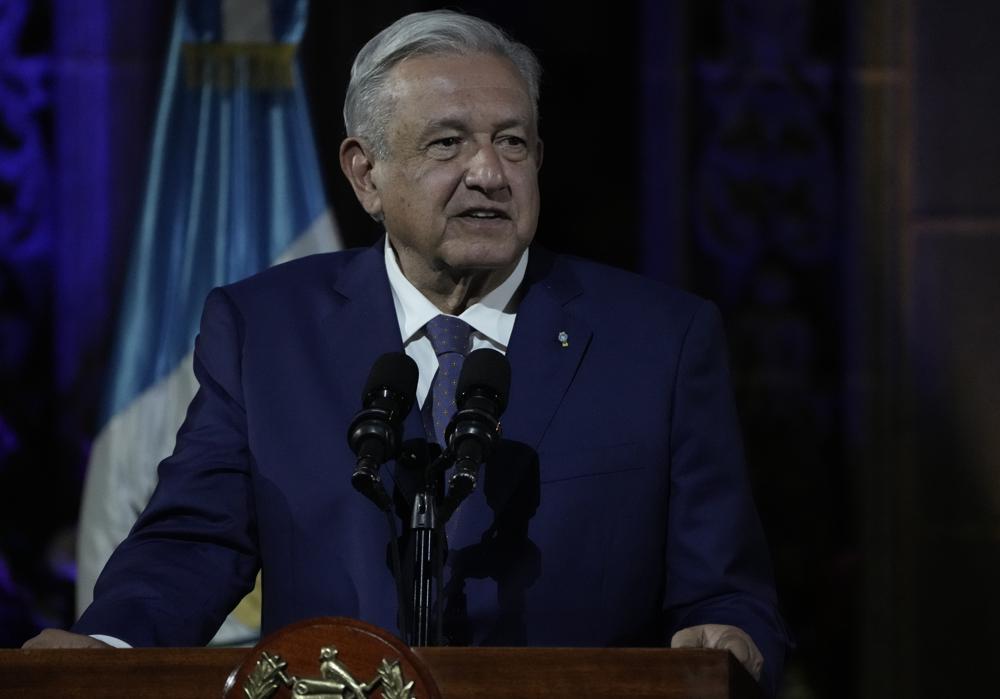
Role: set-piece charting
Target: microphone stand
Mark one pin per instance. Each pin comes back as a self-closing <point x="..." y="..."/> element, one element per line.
<point x="428" y="536"/>
<point x="470" y="437"/>
<point x="424" y="525"/>
<point x="427" y="533"/>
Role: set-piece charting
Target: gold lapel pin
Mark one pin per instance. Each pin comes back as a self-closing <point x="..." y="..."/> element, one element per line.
<point x="563" y="338"/>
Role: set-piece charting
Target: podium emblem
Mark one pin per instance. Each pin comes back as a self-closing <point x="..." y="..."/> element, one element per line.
<point x="335" y="680"/>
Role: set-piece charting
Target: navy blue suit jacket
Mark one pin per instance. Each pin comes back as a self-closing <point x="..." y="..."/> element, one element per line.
<point x="615" y="511"/>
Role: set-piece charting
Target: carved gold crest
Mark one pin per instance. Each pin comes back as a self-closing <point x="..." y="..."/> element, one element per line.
<point x="335" y="680"/>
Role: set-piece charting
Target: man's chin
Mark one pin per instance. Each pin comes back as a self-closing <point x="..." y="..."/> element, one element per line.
<point x="483" y="255"/>
<point x="461" y="265"/>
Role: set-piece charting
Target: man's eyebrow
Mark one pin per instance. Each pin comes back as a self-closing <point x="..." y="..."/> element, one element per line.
<point x="448" y="123"/>
<point x="512" y="123"/>
<point x="456" y="124"/>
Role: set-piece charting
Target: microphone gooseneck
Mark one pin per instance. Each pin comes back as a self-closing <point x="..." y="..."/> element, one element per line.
<point x="375" y="433"/>
<point x="481" y="397"/>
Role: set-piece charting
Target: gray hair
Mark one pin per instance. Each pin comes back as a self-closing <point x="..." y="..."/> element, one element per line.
<point x="367" y="109"/>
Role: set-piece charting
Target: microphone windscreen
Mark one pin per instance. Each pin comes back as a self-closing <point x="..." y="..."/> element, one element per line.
<point x="485" y="370"/>
<point x="396" y="373"/>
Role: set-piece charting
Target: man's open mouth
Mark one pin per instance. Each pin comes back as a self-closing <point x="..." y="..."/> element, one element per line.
<point x="484" y="214"/>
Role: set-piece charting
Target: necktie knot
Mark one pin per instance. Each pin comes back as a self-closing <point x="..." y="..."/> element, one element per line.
<point x="448" y="334"/>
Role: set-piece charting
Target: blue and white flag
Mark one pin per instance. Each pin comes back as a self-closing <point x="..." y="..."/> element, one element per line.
<point x="233" y="187"/>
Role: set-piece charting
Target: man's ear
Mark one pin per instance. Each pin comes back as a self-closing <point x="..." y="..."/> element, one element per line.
<point x="357" y="163"/>
<point x="540" y="148"/>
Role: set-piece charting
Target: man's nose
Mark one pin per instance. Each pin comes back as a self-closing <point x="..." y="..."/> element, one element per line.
<point x="485" y="171"/>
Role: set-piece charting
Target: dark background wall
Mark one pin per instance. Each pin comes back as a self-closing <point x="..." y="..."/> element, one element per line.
<point x="824" y="171"/>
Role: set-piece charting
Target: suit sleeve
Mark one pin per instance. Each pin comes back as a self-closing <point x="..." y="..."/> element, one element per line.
<point x="192" y="554"/>
<point x="718" y="567"/>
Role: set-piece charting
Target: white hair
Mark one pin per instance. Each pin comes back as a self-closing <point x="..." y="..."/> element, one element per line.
<point x="367" y="108"/>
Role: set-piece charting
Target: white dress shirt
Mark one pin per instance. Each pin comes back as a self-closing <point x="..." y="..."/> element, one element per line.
<point x="491" y="318"/>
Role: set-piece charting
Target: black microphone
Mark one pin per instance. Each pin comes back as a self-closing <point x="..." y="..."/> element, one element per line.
<point x="376" y="431"/>
<point x="481" y="397"/>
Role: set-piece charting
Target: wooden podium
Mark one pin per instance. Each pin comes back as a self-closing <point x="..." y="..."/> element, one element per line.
<point x="458" y="673"/>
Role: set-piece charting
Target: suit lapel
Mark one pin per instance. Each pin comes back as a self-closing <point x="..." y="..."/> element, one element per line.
<point x="363" y="324"/>
<point x="542" y="364"/>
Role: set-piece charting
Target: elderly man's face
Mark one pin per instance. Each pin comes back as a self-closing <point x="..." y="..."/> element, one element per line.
<point x="458" y="190"/>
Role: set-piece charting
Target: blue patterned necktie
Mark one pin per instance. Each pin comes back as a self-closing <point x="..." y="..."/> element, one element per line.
<point x="450" y="337"/>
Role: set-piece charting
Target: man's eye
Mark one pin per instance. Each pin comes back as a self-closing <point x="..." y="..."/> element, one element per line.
<point x="513" y="141"/>
<point x="513" y="147"/>
<point x="447" y="142"/>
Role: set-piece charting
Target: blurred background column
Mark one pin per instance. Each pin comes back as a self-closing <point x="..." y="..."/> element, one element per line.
<point x="876" y="124"/>
<point x="950" y="253"/>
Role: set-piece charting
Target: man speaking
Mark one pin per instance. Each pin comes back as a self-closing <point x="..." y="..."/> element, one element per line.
<point x="614" y="511"/>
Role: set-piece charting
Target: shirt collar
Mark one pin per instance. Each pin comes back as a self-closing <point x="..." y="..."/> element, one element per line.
<point x="492" y="316"/>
